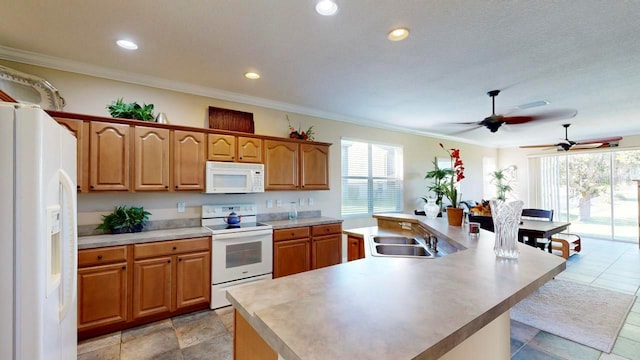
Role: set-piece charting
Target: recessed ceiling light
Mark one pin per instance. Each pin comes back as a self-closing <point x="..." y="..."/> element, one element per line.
<point x="398" y="34"/>
<point x="252" y="75"/>
<point x="326" y="7"/>
<point x="126" y="44"/>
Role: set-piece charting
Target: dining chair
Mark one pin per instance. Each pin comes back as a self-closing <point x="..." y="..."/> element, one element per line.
<point x="535" y="214"/>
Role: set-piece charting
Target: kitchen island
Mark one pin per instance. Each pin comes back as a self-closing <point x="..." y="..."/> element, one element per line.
<point x="393" y="307"/>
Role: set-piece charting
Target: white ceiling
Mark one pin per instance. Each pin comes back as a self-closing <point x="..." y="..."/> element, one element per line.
<point x="581" y="54"/>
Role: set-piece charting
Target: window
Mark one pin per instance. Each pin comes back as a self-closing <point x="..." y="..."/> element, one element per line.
<point x="371" y="178"/>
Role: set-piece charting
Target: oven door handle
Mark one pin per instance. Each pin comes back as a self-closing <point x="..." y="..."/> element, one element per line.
<point x="242" y="234"/>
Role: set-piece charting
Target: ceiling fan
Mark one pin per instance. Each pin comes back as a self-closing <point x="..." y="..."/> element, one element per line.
<point x="567" y="144"/>
<point x="495" y="121"/>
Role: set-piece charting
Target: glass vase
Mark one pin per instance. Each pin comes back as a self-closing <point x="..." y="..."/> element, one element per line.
<point x="431" y="209"/>
<point x="506" y="222"/>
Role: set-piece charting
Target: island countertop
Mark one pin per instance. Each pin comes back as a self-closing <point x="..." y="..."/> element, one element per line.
<point x="393" y="308"/>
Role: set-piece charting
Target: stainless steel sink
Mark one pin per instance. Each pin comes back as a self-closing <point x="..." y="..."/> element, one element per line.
<point x="396" y="240"/>
<point x="399" y="246"/>
<point x="402" y="250"/>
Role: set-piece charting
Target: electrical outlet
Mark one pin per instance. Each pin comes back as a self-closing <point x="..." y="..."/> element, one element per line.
<point x="279" y="203"/>
<point x="301" y="201"/>
<point x="269" y="204"/>
<point x="181" y="206"/>
<point x="311" y="201"/>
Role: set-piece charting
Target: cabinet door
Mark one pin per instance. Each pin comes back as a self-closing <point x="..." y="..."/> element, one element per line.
<point x="102" y="295"/>
<point x="326" y="251"/>
<point x="80" y="130"/>
<point x="249" y="150"/>
<point x="291" y="257"/>
<point x="281" y="165"/>
<point x="193" y="279"/>
<point x="221" y="147"/>
<point x="152" y="286"/>
<point x="109" y="156"/>
<point x="188" y="160"/>
<point x="314" y="167"/>
<point x="355" y="248"/>
<point x="151" y="158"/>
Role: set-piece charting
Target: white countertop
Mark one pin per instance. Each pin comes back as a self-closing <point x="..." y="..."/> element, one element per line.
<point x="393" y="308"/>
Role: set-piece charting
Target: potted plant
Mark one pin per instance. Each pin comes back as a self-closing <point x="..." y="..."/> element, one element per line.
<point x="502" y="179"/>
<point x="454" y="214"/>
<point x="437" y="187"/>
<point x="120" y="109"/>
<point x="123" y="220"/>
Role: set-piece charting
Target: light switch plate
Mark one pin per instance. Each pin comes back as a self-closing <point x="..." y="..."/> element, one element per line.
<point x="269" y="204"/>
<point x="302" y="201"/>
<point x="181" y="206"/>
<point x="279" y="203"/>
<point x="311" y="201"/>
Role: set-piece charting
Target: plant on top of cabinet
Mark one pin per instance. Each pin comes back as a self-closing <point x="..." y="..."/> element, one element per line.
<point x="124" y="219"/>
<point x="299" y="134"/>
<point x="120" y="109"/>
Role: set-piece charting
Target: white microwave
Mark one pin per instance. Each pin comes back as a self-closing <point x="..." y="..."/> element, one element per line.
<point x="234" y="178"/>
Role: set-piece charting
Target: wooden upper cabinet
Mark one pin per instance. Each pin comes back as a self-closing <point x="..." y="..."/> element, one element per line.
<point x="249" y="150"/>
<point x="221" y="147"/>
<point x="188" y="160"/>
<point x="151" y="158"/>
<point x="314" y="167"/>
<point x="109" y="156"/>
<point x="80" y="130"/>
<point x="281" y="165"/>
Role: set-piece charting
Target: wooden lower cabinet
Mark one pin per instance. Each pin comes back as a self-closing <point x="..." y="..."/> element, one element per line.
<point x="301" y="249"/>
<point x="125" y="286"/>
<point x="102" y="295"/>
<point x="152" y="286"/>
<point x="355" y="248"/>
<point x="247" y="344"/>
<point x="193" y="279"/>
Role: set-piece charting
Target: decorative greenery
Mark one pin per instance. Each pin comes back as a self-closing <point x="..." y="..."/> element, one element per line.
<point x="124" y="219"/>
<point x="296" y="134"/>
<point x="438" y="187"/>
<point x="120" y="109"/>
<point x="457" y="174"/>
<point x="502" y="179"/>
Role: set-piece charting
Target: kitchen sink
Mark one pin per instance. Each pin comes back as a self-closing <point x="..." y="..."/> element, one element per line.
<point x="403" y="250"/>
<point x="396" y="240"/>
<point x="399" y="246"/>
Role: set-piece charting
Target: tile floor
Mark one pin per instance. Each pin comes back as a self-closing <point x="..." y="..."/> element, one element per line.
<point x="208" y="334"/>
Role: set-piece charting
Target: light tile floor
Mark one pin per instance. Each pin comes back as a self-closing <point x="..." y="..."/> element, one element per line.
<point x="607" y="264"/>
<point x="208" y="334"/>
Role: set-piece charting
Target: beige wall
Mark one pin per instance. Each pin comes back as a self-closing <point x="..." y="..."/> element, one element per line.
<point x="89" y="95"/>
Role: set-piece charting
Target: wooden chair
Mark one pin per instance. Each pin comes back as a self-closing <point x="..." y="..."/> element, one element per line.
<point x="565" y="244"/>
<point x="535" y="214"/>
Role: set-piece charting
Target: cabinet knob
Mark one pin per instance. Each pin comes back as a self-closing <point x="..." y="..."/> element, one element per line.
<point x="91" y="187"/>
<point x="176" y="186"/>
<point x="124" y="268"/>
<point x="99" y="257"/>
<point x="166" y="186"/>
<point x="233" y="157"/>
<point x="78" y="187"/>
<point x="168" y="261"/>
<point x="240" y="157"/>
<point x="179" y="259"/>
<point x="175" y="247"/>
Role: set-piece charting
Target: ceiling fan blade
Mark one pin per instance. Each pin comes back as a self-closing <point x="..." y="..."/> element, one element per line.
<point x="538" y="146"/>
<point x="466" y="130"/>
<point x="599" y="141"/>
<point x="593" y="145"/>
<point x="548" y="115"/>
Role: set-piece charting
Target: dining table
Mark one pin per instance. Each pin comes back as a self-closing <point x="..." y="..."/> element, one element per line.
<point x="529" y="230"/>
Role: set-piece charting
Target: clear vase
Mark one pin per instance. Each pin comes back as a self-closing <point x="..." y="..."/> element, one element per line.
<point x="506" y="222"/>
<point x="431" y="209"/>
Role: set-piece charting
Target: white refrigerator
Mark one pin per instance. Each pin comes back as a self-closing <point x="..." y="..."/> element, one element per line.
<point x="38" y="232"/>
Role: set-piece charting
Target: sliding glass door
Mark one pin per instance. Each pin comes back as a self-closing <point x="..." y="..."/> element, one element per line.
<point x="594" y="191"/>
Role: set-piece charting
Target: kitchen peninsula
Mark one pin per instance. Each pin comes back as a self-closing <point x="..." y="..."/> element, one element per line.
<point x="451" y="307"/>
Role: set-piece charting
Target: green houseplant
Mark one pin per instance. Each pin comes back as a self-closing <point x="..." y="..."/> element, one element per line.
<point x="502" y="180"/>
<point x="439" y="176"/>
<point x="120" y="109"/>
<point x="123" y="219"/>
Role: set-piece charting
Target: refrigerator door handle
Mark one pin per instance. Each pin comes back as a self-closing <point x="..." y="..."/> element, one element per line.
<point x="69" y="291"/>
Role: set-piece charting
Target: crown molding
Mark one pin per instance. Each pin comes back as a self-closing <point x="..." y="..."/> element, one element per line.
<point x="31" y="58"/>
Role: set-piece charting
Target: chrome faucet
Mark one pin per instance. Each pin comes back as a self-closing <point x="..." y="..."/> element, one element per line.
<point x="432" y="243"/>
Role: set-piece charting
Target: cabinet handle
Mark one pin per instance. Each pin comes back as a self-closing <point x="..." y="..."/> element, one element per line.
<point x="124" y="268"/>
<point x="179" y="259"/>
<point x="168" y="261"/>
<point x="91" y="187"/>
<point x="176" y="186"/>
<point x="174" y="248"/>
<point x="166" y="186"/>
<point x="233" y="157"/>
<point x="240" y="157"/>
<point x="99" y="257"/>
<point x="78" y="187"/>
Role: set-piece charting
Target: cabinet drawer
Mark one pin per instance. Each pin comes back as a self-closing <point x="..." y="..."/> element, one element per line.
<point x="161" y="248"/>
<point x="318" y="230"/>
<point x="291" y="233"/>
<point x="101" y="256"/>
